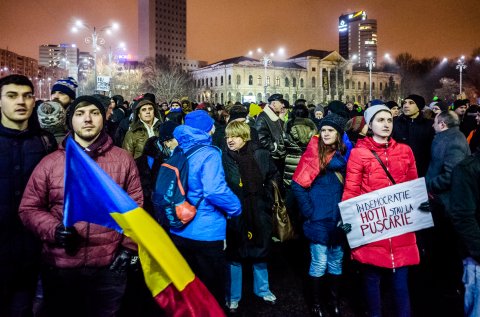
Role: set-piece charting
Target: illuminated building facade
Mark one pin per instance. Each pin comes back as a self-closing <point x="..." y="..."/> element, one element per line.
<point x="357" y="37"/>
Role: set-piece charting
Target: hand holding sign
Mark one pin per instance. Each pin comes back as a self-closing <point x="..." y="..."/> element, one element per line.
<point x="386" y="213"/>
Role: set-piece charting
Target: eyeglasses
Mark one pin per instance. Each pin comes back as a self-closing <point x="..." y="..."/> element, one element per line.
<point x="14" y="96"/>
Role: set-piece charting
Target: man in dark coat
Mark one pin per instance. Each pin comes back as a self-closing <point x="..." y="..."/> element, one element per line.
<point x="414" y="130"/>
<point x="449" y="147"/>
<point x="270" y="127"/>
<point x="465" y="214"/>
<point x="22" y="146"/>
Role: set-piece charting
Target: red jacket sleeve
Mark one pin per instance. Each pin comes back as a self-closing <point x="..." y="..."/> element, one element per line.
<point x="34" y="210"/>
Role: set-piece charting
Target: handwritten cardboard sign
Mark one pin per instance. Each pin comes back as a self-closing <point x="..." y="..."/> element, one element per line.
<point x="386" y="213"/>
<point x="103" y="83"/>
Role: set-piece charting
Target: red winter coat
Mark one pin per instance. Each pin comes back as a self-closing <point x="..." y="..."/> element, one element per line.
<point x="41" y="209"/>
<point x="364" y="175"/>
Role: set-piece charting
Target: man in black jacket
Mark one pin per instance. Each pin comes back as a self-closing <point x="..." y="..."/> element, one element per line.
<point x="449" y="148"/>
<point x="22" y="146"/>
<point x="414" y="130"/>
<point x="270" y="127"/>
<point x="465" y="214"/>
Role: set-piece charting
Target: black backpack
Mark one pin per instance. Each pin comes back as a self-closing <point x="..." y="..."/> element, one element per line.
<point x="172" y="209"/>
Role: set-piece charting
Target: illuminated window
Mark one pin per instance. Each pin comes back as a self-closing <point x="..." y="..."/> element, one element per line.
<point x="277" y="81"/>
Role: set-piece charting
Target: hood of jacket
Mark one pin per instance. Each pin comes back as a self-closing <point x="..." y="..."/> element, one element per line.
<point x="188" y="137"/>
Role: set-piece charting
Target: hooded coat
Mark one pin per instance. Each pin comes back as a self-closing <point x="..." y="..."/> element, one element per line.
<point x="206" y="178"/>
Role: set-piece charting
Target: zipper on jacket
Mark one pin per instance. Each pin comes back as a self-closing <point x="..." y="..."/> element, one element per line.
<point x="391" y="254"/>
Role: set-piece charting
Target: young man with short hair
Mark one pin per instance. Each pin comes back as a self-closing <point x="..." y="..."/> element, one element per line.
<point x="22" y="146"/>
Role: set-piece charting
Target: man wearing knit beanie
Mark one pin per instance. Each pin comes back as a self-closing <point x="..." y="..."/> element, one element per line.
<point x="413" y="129"/>
<point x="64" y="91"/>
<point x="84" y="102"/>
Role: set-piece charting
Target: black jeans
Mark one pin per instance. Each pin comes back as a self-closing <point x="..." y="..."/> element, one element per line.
<point x="207" y="261"/>
<point x="85" y="291"/>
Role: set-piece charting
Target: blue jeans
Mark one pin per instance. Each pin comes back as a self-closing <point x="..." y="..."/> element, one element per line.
<point x="372" y="277"/>
<point x="261" y="287"/>
<point x="471" y="280"/>
<point x="325" y="258"/>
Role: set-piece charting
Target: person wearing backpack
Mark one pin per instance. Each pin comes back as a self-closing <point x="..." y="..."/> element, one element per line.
<point x="202" y="240"/>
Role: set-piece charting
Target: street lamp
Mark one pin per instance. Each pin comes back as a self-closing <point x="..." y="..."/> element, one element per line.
<point x="370" y="64"/>
<point x="461" y="66"/>
<point x="267" y="60"/>
<point x="95" y="40"/>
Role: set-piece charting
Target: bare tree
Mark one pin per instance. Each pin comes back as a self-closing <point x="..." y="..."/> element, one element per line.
<point x="167" y="81"/>
<point x="448" y="90"/>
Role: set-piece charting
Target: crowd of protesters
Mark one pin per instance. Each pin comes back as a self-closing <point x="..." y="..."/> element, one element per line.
<point x="317" y="155"/>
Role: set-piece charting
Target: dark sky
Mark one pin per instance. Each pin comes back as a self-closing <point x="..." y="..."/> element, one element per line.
<point x="218" y="29"/>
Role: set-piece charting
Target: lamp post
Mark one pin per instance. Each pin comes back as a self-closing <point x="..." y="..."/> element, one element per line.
<point x="461" y="66"/>
<point x="370" y="64"/>
<point x="267" y="60"/>
<point x="95" y="40"/>
<point x="49" y="84"/>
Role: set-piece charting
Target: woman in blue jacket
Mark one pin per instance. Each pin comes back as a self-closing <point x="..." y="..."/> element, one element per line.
<point x="318" y="186"/>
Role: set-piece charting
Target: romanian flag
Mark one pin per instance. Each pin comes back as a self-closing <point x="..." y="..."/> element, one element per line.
<point x="92" y="196"/>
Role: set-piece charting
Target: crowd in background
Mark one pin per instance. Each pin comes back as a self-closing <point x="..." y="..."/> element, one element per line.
<point x="317" y="155"/>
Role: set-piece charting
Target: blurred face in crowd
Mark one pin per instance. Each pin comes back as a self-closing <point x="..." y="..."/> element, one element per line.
<point x="171" y="144"/>
<point x="461" y="110"/>
<point x="349" y="106"/>
<point x="16" y="105"/>
<point x="439" y="125"/>
<point x="235" y="143"/>
<point x="318" y="114"/>
<point x="175" y="106"/>
<point x="410" y="108"/>
<point x="477" y="117"/>
<point x="87" y="123"/>
<point x="328" y="134"/>
<point x="276" y="106"/>
<point x="395" y="111"/>
<point x="61" y="98"/>
<point x="436" y="109"/>
<point x="146" y="114"/>
<point x="382" y="125"/>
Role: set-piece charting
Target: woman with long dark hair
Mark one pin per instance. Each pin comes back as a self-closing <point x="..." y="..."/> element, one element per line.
<point x="318" y="186"/>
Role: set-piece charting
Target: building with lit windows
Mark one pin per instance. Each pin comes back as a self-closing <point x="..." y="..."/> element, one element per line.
<point x="162" y="29"/>
<point x="64" y="56"/>
<point x="357" y="37"/>
<point x="314" y="75"/>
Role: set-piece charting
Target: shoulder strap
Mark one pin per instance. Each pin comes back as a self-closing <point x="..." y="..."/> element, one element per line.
<point x="383" y="166"/>
<point x="194" y="149"/>
<point x="340" y="177"/>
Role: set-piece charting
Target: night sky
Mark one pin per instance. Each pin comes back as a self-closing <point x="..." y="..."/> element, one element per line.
<point x="219" y="29"/>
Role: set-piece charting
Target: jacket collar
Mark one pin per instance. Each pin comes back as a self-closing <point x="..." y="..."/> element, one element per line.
<point x="269" y="112"/>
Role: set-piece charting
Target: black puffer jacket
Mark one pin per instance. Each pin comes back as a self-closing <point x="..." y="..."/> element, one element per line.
<point x="417" y="133"/>
<point x="20" y="152"/>
<point x="270" y="133"/>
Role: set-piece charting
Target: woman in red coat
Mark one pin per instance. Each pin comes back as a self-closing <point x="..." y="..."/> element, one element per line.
<point x="388" y="258"/>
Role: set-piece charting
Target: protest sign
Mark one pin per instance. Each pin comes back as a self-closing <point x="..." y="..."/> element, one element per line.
<point x="103" y="83"/>
<point x="386" y="213"/>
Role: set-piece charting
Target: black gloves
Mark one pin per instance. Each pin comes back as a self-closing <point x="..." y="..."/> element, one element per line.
<point x="67" y="238"/>
<point x="125" y="260"/>
<point x="425" y="206"/>
<point x="346" y="227"/>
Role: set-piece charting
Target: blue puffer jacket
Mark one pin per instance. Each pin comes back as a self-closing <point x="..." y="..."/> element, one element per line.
<point x="319" y="204"/>
<point x="206" y="178"/>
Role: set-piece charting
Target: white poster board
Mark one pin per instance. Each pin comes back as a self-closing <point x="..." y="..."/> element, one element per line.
<point x="386" y="213"/>
<point x="103" y="83"/>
